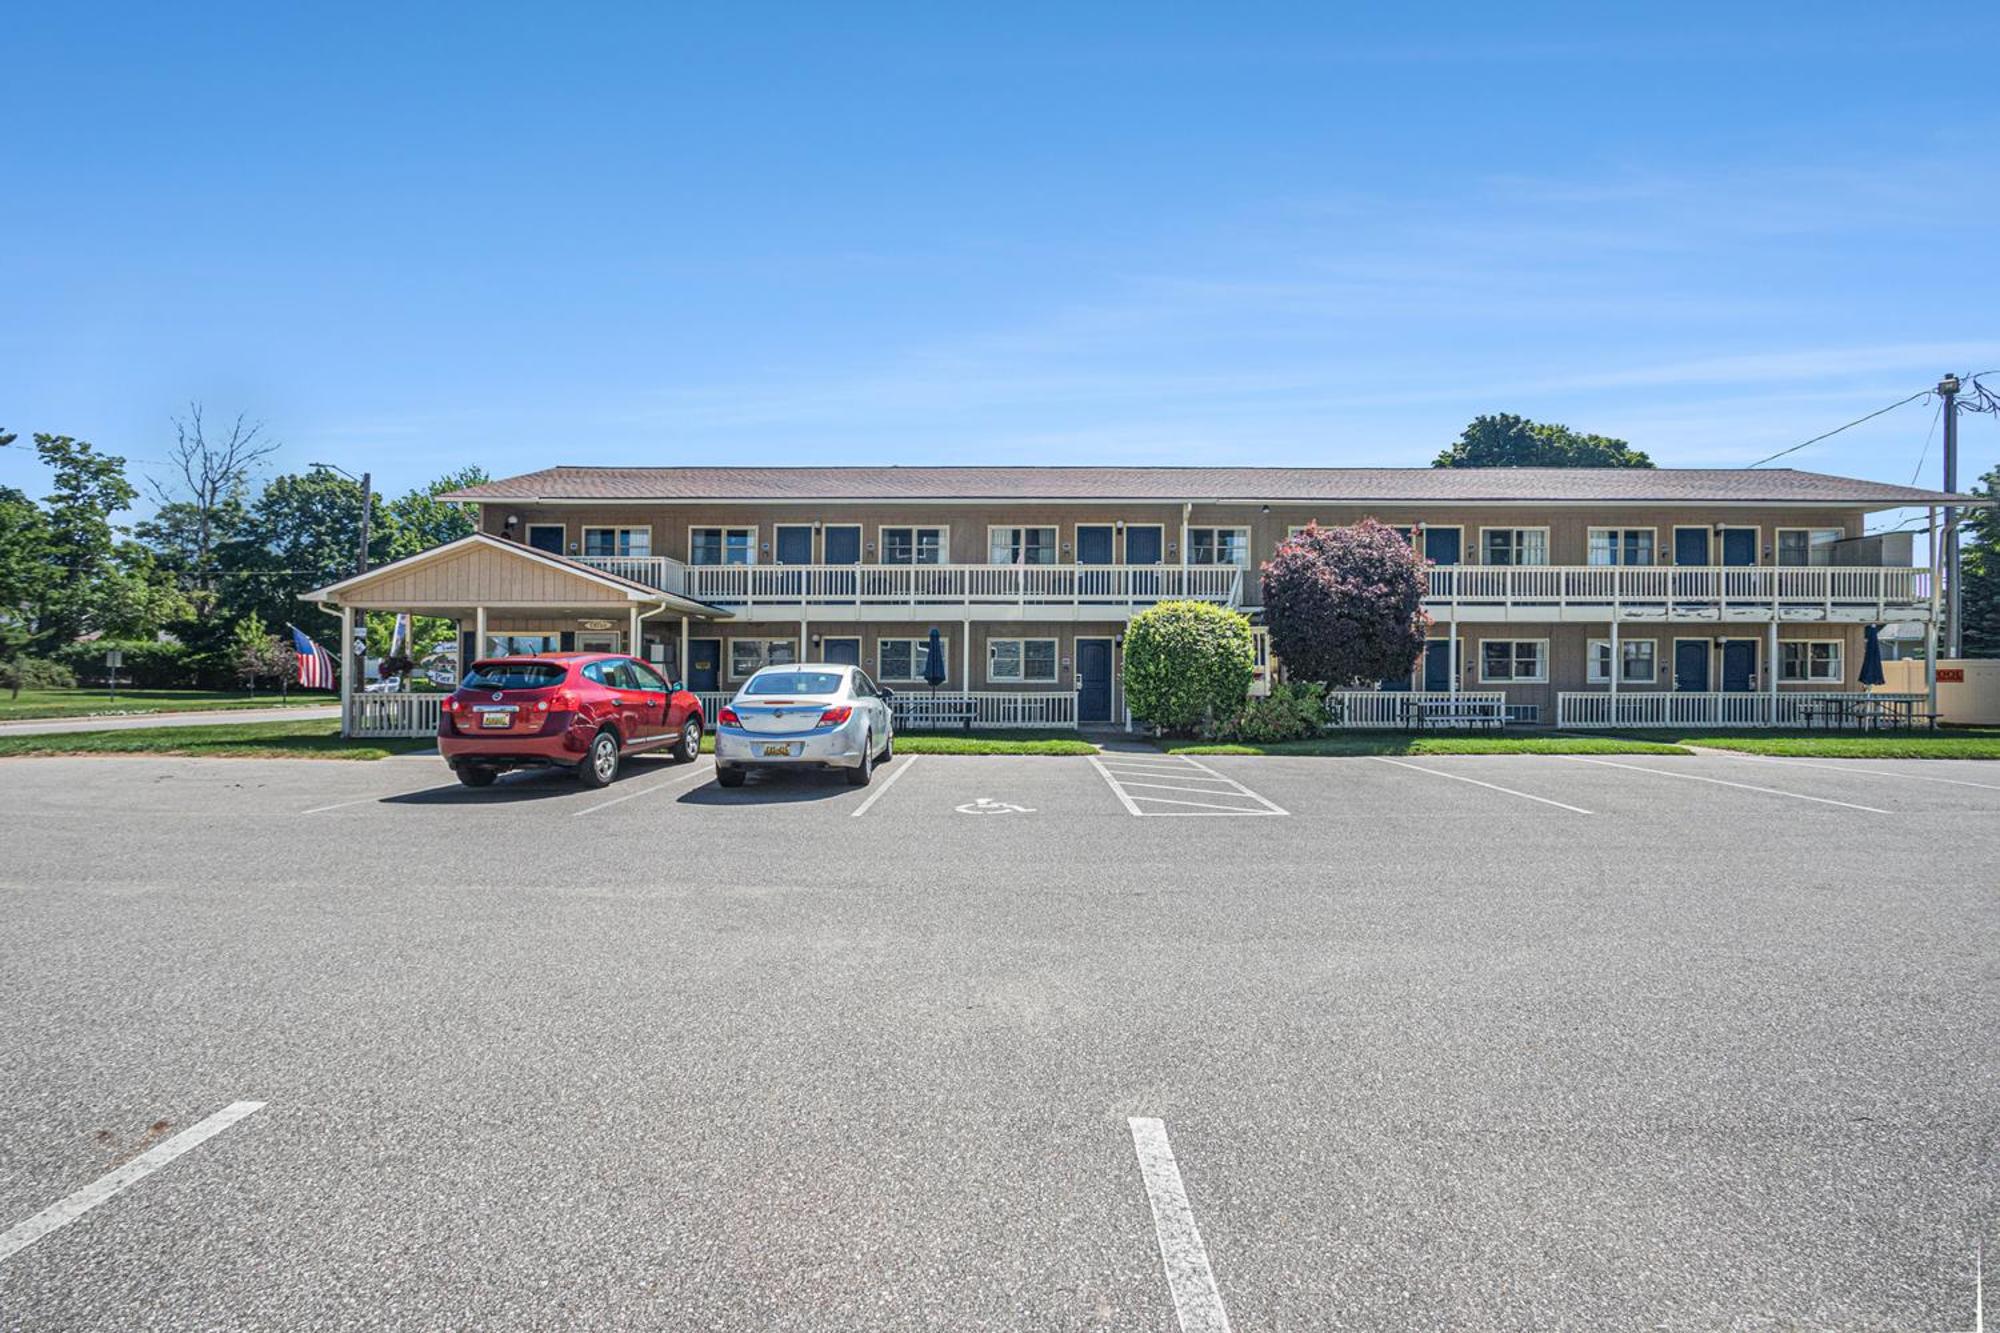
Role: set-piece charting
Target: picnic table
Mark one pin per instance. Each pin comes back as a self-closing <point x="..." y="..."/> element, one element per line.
<point x="1419" y="714"/>
<point x="1867" y="714"/>
<point x="926" y="713"/>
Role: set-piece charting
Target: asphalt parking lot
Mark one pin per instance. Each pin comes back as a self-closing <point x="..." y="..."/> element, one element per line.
<point x="1000" y="1043"/>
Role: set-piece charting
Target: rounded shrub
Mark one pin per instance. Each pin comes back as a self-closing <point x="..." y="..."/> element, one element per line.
<point x="1186" y="664"/>
<point x="1294" y="710"/>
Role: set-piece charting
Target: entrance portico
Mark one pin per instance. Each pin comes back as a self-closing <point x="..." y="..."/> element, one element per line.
<point x="504" y="597"/>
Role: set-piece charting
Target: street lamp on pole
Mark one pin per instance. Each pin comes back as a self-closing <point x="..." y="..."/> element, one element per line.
<point x="367" y="504"/>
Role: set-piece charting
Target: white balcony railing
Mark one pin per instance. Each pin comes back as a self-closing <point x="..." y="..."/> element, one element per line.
<point x="1680" y="590"/>
<point x="1720" y="708"/>
<point x="930" y="585"/>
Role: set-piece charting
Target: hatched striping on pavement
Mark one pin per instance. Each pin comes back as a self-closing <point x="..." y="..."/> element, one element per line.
<point x="1162" y="784"/>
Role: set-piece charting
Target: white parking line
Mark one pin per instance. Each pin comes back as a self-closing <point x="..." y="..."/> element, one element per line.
<point x="1846" y="766"/>
<point x="909" y="762"/>
<point x="1197" y="1302"/>
<point x="59" y="1215"/>
<point x="698" y="771"/>
<point x="359" y="800"/>
<point x="1124" y="776"/>
<point x="1721" y="782"/>
<point x="1490" y="786"/>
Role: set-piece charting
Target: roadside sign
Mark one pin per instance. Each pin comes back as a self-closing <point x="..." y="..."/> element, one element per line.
<point x="1951" y="675"/>
<point x="114" y="658"/>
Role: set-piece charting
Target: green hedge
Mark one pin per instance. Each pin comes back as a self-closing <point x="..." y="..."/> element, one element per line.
<point x="1187" y="664"/>
<point x="148" y="664"/>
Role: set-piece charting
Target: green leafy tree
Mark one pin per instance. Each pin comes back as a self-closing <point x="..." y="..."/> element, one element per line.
<point x="87" y="588"/>
<point x="302" y="532"/>
<point x="1187" y="664"/>
<point x="1979" y="559"/>
<point x="1346" y="605"/>
<point x="257" y="654"/>
<point x="419" y="520"/>
<point x="1505" y="440"/>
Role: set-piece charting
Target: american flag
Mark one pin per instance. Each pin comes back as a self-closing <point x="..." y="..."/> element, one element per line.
<point x="315" y="664"/>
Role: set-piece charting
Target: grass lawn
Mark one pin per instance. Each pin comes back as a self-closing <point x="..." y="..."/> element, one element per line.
<point x="93" y="702"/>
<point x="1946" y="743"/>
<point x="313" y="739"/>
<point x="1398" y="742"/>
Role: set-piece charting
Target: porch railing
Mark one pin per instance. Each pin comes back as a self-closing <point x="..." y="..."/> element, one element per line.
<point x="1384" y="708"/>
<point x="920" y="709"/>
<point x="1683" y="589"/>
<point x="1721" y="708"/>
<point x="399" y="714"/>
<point x="931" y="585"/>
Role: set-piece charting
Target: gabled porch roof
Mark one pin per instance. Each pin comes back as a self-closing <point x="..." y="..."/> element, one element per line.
<point x="481" y="570"/>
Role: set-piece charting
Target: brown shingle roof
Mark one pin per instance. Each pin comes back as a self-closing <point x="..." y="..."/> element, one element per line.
<point x="1368" y="485"/>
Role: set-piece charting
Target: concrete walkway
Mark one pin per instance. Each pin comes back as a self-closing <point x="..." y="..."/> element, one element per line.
<point x="51" y="726"/>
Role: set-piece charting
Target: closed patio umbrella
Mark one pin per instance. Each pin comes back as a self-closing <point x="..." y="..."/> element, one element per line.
<point x="934" y="672"/>
<point x="1871" y="658"/>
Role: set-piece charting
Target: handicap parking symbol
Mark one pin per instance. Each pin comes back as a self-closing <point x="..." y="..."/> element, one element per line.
<point x="986" y="805"/>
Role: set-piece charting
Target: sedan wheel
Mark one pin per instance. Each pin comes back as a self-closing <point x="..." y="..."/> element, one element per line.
<point x="601" y="764"/>
<point x="863" y="773"/>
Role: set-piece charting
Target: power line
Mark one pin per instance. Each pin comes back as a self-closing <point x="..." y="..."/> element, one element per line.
<point x="1921" y="393"/>
<point x="1918" y="471"/>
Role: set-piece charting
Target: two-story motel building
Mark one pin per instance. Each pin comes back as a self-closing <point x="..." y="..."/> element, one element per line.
<point x="1579" y="597"/>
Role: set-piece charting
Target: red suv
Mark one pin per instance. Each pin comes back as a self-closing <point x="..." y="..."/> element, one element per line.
<point x="581" y="711"/>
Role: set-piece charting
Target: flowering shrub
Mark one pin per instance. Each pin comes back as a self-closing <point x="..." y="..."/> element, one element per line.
<point x="1345" y="606"/>
<point x="1186" y="663"/>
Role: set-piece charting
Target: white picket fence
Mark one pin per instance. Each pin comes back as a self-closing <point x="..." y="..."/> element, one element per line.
<point x="1719" y="708"/>
<point x="1385" y="708"/>
<point x="399" y="714"/>
<point x="920" y="710"/>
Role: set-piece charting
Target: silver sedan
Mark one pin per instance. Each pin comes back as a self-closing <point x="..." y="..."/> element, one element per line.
<point x="827" y="715"/>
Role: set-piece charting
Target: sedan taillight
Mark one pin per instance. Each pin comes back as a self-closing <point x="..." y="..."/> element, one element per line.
<point x="727" y="717"/>
<point x="833" y="717"/>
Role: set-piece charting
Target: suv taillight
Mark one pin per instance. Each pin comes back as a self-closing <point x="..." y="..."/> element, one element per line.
<point x="833" y="717"/>
<point x="727" y="717"/>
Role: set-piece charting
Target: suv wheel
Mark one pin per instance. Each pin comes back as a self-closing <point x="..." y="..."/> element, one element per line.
<point x="601" y="764"/>
<point x="475" y="775"/>
<point x="688" y="748"/>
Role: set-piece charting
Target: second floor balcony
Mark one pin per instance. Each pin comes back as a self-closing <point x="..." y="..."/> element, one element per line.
<point x="1527" y="593"/>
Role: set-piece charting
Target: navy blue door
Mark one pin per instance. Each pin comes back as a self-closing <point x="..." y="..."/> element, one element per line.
<point x="1690" y="546"/>
<point x="704" y="665"/>
<point x="845" y="651"/>
<point x="1142" y="546"/>
<point x="1441" y="545"/>
<point x="795" y="545"/>
<point x="1093" y="544"/>
<point x="1691" y="665"/>
<point x="1437" y="665"/>
<point x="1739" y="546"/>
<point x="843" y="544"/>
<point x="1093" y="677"/>
<point x="1739" y="664"/>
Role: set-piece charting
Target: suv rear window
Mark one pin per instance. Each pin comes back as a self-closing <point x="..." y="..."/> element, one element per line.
<point x="794" y="682"/>
<point x="514" y="675"/>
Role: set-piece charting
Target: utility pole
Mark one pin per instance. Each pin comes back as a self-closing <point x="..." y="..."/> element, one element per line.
<point x="1948" y="391"/>
<point x="367" y="496"/>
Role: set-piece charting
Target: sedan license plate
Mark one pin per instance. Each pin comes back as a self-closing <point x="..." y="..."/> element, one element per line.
<point x="777" y="751"/>
<point x="496" y="719"/>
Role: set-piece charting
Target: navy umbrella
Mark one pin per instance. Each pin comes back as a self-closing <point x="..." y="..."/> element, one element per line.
<point x="934" y="672"/>
<point x="1871" y="658"/>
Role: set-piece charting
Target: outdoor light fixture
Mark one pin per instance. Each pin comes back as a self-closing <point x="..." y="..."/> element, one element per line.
<point x="1265" y="510"/>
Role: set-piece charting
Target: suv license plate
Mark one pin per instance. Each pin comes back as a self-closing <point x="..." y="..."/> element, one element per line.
<point x="496" y="719"/>
<point x="777" y="751"/>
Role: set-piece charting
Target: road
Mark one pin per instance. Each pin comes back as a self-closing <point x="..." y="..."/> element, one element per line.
<point x="1682" y="1043"/>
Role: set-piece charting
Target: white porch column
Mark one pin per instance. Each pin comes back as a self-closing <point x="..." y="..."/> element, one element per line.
<point x="632" y="645"/>
<point x="805" y="641"/>
<point x="965" y="657"/>
<point x="681" y="667"/>
<point x="1771" y="671"/>
<point x="1451" y="653"/>
<point x="347" y="668"/>
<point x="1617" y="670"/>
<point x="479" y="631"/>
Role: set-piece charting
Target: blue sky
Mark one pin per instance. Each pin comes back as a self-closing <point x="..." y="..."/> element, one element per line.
<point x="918" y="234"/>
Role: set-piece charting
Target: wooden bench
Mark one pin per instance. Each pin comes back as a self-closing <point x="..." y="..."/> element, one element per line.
<point x="1419" y="714"/>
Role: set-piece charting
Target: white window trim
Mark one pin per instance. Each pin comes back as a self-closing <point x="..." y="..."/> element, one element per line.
<point x="1778" y="541"/>
<point x="1548" y="545"/>
<point x="1024" y="528"/>
<point x="725" y="529"/>
<point x="1024" y="678"/>
<point x="1249" y="560"/>
<point x="1124" y="549"/>
<point x="1621" y="529"/>
<point x="583" y="538"/>
<point x="918" y="647"/>
<point x="1541" y="662"/>
<point x="1591" y="646"/>
<point x="812" y="546"/>
<point x="1839" y="647"/>
<point x="562" y="546"/>
<point x="729" y="653"/>
<point x="882" y="545"/>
